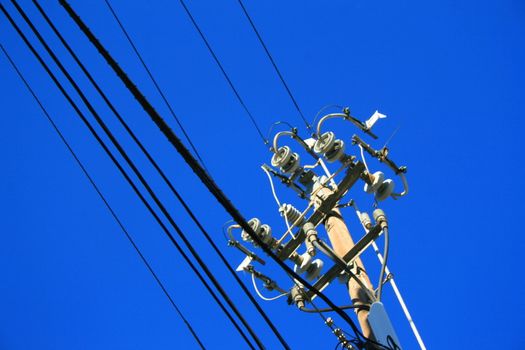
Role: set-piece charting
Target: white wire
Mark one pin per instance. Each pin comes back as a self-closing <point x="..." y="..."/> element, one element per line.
<point x="363" y="158"/>
<point x="262" y="296"/>
<point x="394" y="287"/>
<point x="327" y="172"/>
<point x="277" y="200"/>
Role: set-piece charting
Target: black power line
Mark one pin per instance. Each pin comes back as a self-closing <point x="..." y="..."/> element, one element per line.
<point x="128" y="179"/>
<point x="199" y="171"/>
<point x="102" y="197"/>
<point x="216" y="59"/>
<point x="270" y="57"/>
<point x="157" y="87"/>
<point x="164" y="177"/>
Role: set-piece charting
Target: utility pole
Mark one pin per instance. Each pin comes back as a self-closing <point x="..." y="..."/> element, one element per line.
<point x="342" y="242"/>
<point x="324" y="190"/>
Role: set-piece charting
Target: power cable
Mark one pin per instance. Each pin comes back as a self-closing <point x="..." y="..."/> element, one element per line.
<point x="102" y="197"/>
<point x="128" y="179"/>
<point x="294" y="101"/>
<point x="199" y="171"/>
<point x="241" y="101"/>
<point x="164" y="177"/>
<point x="346" y="307"/>
<point x="157" y="87"/>
<point x="383" y="265"/>
<point x="166" y="130"/>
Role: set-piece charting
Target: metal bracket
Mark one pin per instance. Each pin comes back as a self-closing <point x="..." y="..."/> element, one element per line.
<point x="349" y="258"/>
<point x="352" y="175"/>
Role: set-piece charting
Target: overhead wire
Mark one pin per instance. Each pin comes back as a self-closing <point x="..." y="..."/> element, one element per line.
<point x="154" y="81"/>
<point x="199" y="171"/>
<point x="136" y="190"/>
<point x="230" y="83"/>
<point x="277" y="70"/>
<point x="102" y="197"/>
<point x="165" y="178"/>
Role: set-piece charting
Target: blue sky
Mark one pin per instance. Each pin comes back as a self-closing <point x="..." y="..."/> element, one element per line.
<point x="448" y="75"/>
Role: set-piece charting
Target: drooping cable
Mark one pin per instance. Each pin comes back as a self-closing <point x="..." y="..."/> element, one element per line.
<point x="102" y="197"/>
<point x="270" y="57"/>
<point x="216" y="59"/>
<point x="141" y="197"/>
<point x="154" y="81"/>
<point x="199" y="171"/>
<point x="164" y="177"/>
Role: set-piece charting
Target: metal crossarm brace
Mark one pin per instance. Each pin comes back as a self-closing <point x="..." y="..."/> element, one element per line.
<point x="349" y="257"/>
<point x="352" y="175"/>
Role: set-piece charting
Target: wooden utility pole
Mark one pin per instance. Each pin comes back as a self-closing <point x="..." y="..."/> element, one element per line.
<point x="342" y="242"/>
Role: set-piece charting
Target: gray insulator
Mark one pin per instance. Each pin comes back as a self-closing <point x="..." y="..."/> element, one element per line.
<point x="336" y="153"/>
<point x="263" y="231"/>
<point x="324" y="143"/>
<point x="314" y="270"/>
<point x="385" y="190"/>
<point x="331" y="148"/>
<point x="265" y="234"/>
<point x="379" y="177"/>
<point x="255" y="224"/>
<point x="306" y="261"/>
<point x="291" y="214"/>
<point x="286" y="160"/>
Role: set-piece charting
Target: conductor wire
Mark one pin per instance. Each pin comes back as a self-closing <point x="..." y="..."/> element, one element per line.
<point x="102" y="197"/>
<point x="128" y="179"/>
<point x="195" y="166"/>
<point x="154" y="81"/>
<point x="166" y="180"/>
<point x="252" y="24"/>
<point x="216" y="59"/>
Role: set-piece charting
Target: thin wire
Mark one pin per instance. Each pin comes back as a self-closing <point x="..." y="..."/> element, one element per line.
<point x="102" y="197"/>
<point x="383" y="265"/>
<point x="363" y="158"/>
<point x="128" y="179"/>
<point x="166" y="180"/>
<point x="252" y="24"/>
<point x="241" y="101"/>
<point x="157" y="87"/>
<point x="270" y="129"/>
<point x="323" y="109"/>
<point x="195" y="166"/>
<point x="262" y="296"/>
<point x="277" y="201"/>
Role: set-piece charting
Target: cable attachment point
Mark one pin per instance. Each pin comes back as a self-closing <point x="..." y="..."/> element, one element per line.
<point x="286" y="160"/>
<point x="377" y="184"/>
<point x="338" y="332"/>
<point x="296" y="297"/>
<point x="311" y="237"/>
<point x="380" y="218"/>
